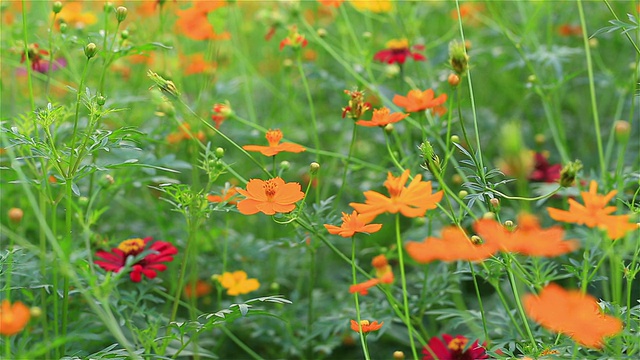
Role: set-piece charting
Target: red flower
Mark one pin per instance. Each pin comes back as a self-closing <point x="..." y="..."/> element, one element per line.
<point x="220" y="113"/>
<point x="294" y="39"/>
<point x="35" y="56"/>
<point x="453" y="348"/>
<point x="397" y="51"/>
<point x="149" y="265"/>
<point x="543" y="171"/>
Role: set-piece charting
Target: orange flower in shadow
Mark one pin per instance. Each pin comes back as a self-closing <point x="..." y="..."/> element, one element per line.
<point x="412" y="201"/>
<point x="194" y="22"/>
<point x="269" y="197"/>
<point x="417" y="100"/>
<point x="384" y="275"/>
<point x="382" y="117"/>
<point x="454" y="245"/>
<point x="572" y="313"/>
<point x="352" y="225"/>
<point x="363" y="288"/>
<point x="237" y="283"/>
<point x="13" y="317"/>
<point x="196" y="64"/>
<point x="72" y="15"/>
<point x="366" y="326"/>
<point x="197" y="290"/>
<point x="570" y="30"/>
<point x="227" y="194"/>
<point x="594" y="213"/>
<point x="527" y="239"/>
<point x="184" y="133"/>
<point x="275" y="147"/>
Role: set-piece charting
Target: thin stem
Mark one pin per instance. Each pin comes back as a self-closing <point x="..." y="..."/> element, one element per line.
<point x="363" y="340"/>
<point x="28" y="62"/>
<point x="592" y="90"/>
<point x="479" y="297"/>
<point x="76" y="117"/>
<point x="346" y="165"/>
<point x="312" y="277"/>
<point x="514" y="288"/>
<point x="403" y="279"/>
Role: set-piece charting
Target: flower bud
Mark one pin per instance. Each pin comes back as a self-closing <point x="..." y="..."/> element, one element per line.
<point x="366" y="35"/>
<point x="321" y="32"/>
<point x="108" y="6"/>
<point x="124" y="34"/>
<point x="83" y="200"/>
<point x="532" y="78"/>
<point x="462" y="194"/>
<point x="274" y="286"/>
<point x="167" y="86"/>
<point x="15" y="215"/>
<point x="314" y="167"/>
<point x="287" y="63"/>
<point x="455" y="139"/>
<point x="100" y="100"/>
<point x="495" y="204"/>
<point x="431" y="160"/>
<point x="57" y="7"/>
<point x="540" y="139"/>
<point x="63" y="28"/>
<point x="458" y="58"/>
<point x="453" y="80"/>
<point x="90" y="50"/>
<point x="121" y="13"/>
<point x="106" y="181"/>
<point x="476" y="240"/>
<point x="509" y="225"/>
<point x="593" y="43"/>
<point x="622" y="130"/>
<point x="456" y="179"/>
<point x="285" y="165"/>
<point x="219" y="152"/>
<point x="569" y="172"/>
<point x="35" y="311"/>
<point x="398" y="355"/>
<point x="489" y="216"/>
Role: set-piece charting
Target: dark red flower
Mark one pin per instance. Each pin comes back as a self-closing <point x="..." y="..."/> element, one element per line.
<point x="149" y="265"/>
<point x="397" y="51"/>
<point x="453" y="348"/>
<point x="543" y="171"/>
<point x="37" y="62"/>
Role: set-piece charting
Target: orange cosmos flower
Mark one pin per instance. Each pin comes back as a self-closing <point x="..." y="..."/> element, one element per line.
<point x="274" y="137"/>
<point x="594" y="213"/>
<point x="237" y="283"/>
<point x="376" y="6"/>
<point x="382" y="117"/>
<point x="366" y="326"/>
<point x="334" y="3"/>
<point x="269" y="197"/>
<point x="572" y="313"/>
<point x="527" y="239"/>
<point x="72" y="15"/>
<point x="194" y="23"/>
<point x="196" y="64"/>
<point x="351" y="225"/>
<point x="384" y="275"/>
<point x="454" y="245"/>
<point x="226" y="195"/>
<point x="363" y="288"/>
<point x="417" y="100"/>
<point x="200" y="289"/>
<point x="412" y="201"/>
<point x="13" y="318"/>
<point x="220" y="113"/>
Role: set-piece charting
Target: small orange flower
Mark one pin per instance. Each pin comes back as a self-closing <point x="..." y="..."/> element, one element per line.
<point x="412" y="201"/>
<point x="237" y="283"/>
<point x="384" y="275"/>
<point x="351" y="225"/>
<point x="572" y="313"/>
<point x="184" y="133"/>
<point x="417" y="100"/>
<point x="570" y="30"/>
<point x="363" y="288"/>
<point x="226" y="195"/>
<point x="366" y="326"/>
<point x="333" y="3"/>
<point x="527" y="239"/>
<point x="274" y="137"/>
<point x="13" y="318"/>
<point x="594" y="213"/>
<point x="269" y="197"/>
<point x="194" y="22"/>
<point x="382" y="117"/>
<point x="196" y="64"/>
<point x="200" y="289"/>
<point x="454" y="245"/>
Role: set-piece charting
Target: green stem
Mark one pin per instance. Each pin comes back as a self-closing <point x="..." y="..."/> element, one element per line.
<point x="514" y="288"/>
<point x="592" y="90"/>
<point x="479" y="297"/>
<point x="363" y="340"/>
<point x="240" y="344"/>
<point x="28" y="62"/>
<point x="403" y="279"/>
<point x="312" y="277"/>
<point x="46" y="86"/>
<point x="346" y="165"/>
<point x="75" y="119"/>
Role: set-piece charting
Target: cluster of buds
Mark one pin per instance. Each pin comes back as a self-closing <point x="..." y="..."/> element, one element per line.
<point x="167" y="86"/>
<point x="294" y="39"/>
<point x="458" y="58"/>
<point x="569" y="172"/>
<point x="357" y="106"/>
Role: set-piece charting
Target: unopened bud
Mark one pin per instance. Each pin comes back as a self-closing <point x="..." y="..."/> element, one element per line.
<point x="476" y="240"/>
<point x="509" y="225"/>
<point x="321" y="32"/>
<point x="100" y="100"/>
<point x="398" y="355"/>
<point x="63" y="28"/>
<point x="287" y="63"/>
<point x="83" y="200"/>
<point x="124" y="34"/>
<point x="458" y="58"/>
<point x="35" y="312"/>
<point x="108" y="6"/>
<point x="274" y="286"/>
<point x="569" y="172"/>
<point x="285" y="165"/>
<point x="106" y="181"/>
<point x="121" y="13"/>
<point x="167" y="86"/>
<point x="489" y="216"/>
<point x="532" y="78"/>
<point x="90" y="50"/>
<point x="57" y="7"/>
<point x="455" y="139"/>
<point x="622" y="130"/>
<point x="453" y="80"/>
<point x="388" y="128"/>
<point x="219" y="152"/>
<point x="593" y="43"/>
<point x="15" y="215"/>
<point x="314" y="167"/>
<point x="462" y="194"/>
<point x="456" y="179"/>
<point x="495" y="204"/>
<point x="540" y="139"/>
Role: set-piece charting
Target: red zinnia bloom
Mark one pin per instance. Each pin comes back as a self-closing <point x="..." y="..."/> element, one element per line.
<point x="417" y="100"/>
<point x="274" y="137"/>
<point x="148" y="266"/>
<point x="453" y="348"/>
<point x="543" y="171"/>
<point x="397" y="51"/>
<point x="382" y="117"/>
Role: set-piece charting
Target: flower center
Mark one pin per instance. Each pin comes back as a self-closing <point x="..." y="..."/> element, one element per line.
<point x="364" y="323"/>
<point x="270" y="188"/>
<point x="457" y="344"/>
<point x="415" y="94"/>
<point x="397" y="44"/>
<point x="274" y="137"/>
<point x="132" y="246"/>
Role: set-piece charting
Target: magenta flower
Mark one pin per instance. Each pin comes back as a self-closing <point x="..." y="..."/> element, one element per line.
<point x="149" y="265"/>
<point x="453" y="348"/>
